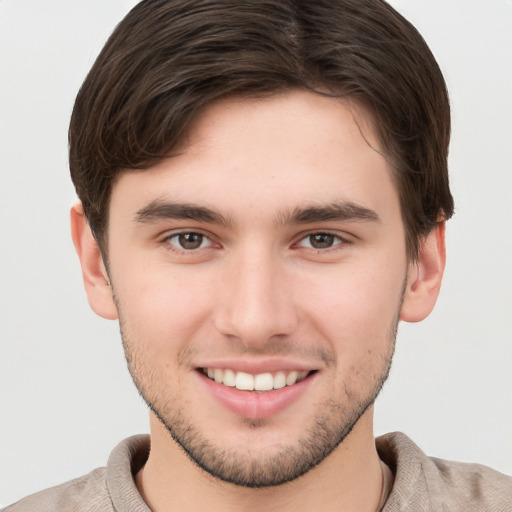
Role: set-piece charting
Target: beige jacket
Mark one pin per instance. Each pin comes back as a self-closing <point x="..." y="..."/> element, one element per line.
<point x="420" y="484"/>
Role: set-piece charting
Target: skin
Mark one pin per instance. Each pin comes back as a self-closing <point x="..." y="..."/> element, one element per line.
<point x="259" y="290"/>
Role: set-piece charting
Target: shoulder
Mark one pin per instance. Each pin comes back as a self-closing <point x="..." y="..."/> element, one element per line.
<point x="474" y="483"/>
<point x="425" y="483"/>
<point x="85" y="494"/>
<point x="103" y="490"/>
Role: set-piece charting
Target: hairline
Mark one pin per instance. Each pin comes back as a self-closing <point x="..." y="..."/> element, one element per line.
<point x="356" y="105"/>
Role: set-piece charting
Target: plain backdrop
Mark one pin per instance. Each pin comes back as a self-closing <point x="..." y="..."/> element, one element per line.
<point x="65" y="395"/>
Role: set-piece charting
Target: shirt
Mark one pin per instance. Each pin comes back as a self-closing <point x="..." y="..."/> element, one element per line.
<point x="420" y="483"/>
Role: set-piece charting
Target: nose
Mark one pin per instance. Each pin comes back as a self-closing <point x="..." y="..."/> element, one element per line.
<point x="256" y="305"/>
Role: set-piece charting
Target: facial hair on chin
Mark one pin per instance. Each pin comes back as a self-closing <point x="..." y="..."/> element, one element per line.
<point x="250" y="469"/>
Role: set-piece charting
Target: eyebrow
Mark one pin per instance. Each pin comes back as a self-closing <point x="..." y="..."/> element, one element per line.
<point x="159" y="210"/>
<point x="342" y="211"/>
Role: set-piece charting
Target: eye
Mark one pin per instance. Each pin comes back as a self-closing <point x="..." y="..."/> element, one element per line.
<point x="189" y="241"/>
<point x="321" y="241"/>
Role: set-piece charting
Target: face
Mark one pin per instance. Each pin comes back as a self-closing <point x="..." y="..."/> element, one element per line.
<point x="258" y="276"/>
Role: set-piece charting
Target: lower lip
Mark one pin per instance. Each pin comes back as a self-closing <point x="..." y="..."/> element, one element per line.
<point x="253" y="404"/>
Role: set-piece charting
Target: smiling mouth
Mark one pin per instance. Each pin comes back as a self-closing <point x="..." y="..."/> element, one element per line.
<point x="261" y="382"/>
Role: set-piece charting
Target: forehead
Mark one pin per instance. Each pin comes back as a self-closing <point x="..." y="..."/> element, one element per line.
<point x="286" y="150"/>
<point x="292" y="119"/>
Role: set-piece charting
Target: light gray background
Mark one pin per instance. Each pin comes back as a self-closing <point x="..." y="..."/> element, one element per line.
<point x="66" y="397"/>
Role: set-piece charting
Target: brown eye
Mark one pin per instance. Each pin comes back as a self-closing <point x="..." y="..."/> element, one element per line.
<point x="188" y="241"/>
<point x="322" y="240"/>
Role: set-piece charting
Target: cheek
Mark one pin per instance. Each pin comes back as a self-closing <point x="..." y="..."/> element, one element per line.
<point x="356" y="308"/>
<point x="162" y="308"/>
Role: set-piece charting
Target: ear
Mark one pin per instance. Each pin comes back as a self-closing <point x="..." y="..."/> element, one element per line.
<point x="96" y="281"/>
<point x="424" y="277"/>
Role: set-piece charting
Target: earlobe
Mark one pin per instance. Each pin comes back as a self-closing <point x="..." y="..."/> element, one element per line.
<point x="96" y="282"/>
<point x="424" y="277"/>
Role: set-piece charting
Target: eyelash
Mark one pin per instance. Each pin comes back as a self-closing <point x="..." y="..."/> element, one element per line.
<point x="179" y="234"/>
<point x="337" y="241"/>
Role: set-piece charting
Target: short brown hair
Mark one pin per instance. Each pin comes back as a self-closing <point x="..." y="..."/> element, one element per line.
<point x="169" y="58"/>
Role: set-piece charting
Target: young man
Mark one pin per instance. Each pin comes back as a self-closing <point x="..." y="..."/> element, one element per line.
<point x="263" y="193"/>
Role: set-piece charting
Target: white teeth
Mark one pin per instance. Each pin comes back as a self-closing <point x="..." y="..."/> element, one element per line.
<point x="302" y="376"/>
<point x="260" y="382"/>
<point x="291" y="379"/>
<point x="279" y="380"/>
<point x="244" y="381"/>
<point x="263" y="382"/>
<point x="229" y="378"/>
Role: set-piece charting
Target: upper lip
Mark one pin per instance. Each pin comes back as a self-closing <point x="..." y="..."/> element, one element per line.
<point x="256" y="367"/>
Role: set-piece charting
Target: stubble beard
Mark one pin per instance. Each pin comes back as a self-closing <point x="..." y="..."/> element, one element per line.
<point x="251" y="469"/>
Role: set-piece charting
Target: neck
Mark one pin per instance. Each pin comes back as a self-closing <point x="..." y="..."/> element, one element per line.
<point x="350" y="479"/>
